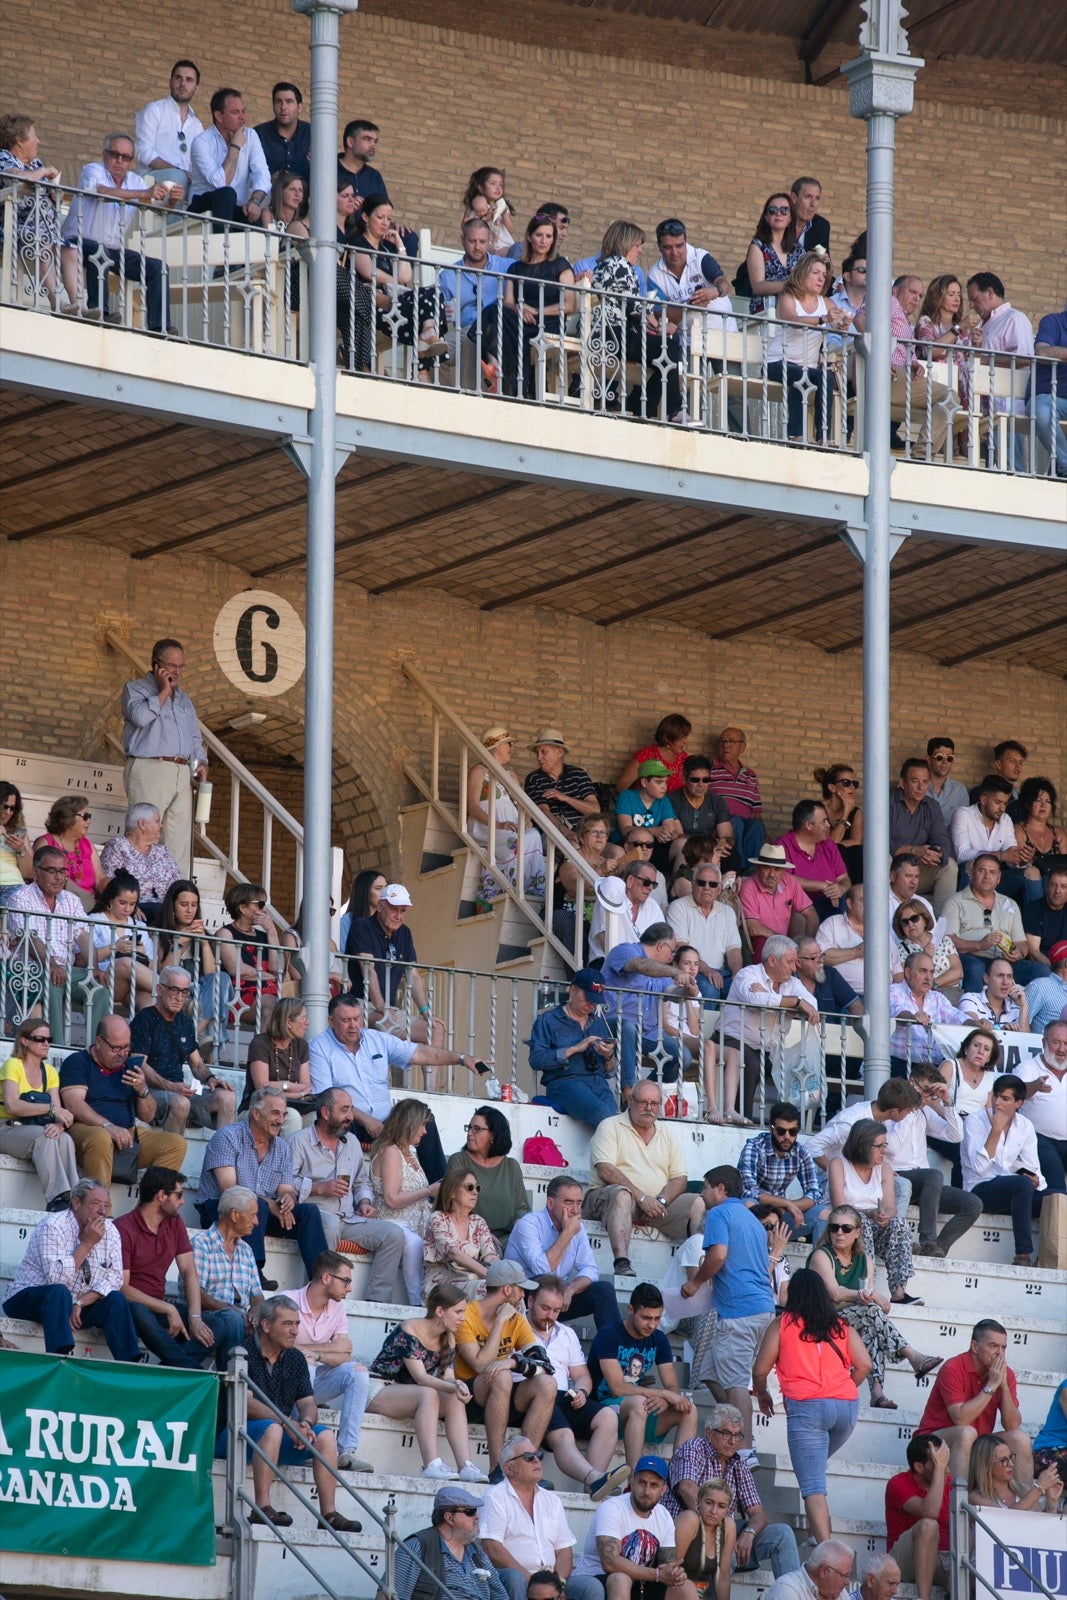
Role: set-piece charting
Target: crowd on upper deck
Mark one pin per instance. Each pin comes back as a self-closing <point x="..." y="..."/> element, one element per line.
<point x="515" y="292"/>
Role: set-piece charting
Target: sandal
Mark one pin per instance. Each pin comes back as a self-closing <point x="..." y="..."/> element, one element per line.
<point x="433" y="347"/>
<point x="734" y="1119"/>
<point x="927" y="1365"/>
<point x="883" y="1403"/>
<point x="715" y="1118"/>
<point x="267" y="1514"/>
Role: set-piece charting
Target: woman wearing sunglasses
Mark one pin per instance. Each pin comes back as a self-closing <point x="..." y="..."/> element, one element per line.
<point x="459" y="1246"/>
<point x="840" y="795"/>
<point x="773" y="253"/>
<point x="843" y="1265"/>
<point x="250" y="953"/>
<point x="33" y="1121"/>
<point x="67" y="828"/>
<point x="913" y="925"/>
<point x="502" y="1199"/>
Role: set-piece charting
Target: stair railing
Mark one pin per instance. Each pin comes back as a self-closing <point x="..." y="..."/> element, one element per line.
<point x="241" y="779"/>
<point x="557" y="847"/>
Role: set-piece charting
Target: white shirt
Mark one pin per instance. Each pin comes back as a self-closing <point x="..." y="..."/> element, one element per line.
<point x="753" y="986"/>
<point x="157" y="128"/>
<point x="976" y="1008"/>
<point x="830" y="1140"/>
<point x="531" y="1541"/>
<point x="208" y="153"/>
<point x="647" y="914"/>
<point x="102" y="220"/>
<point x="1047" y="1112"/>
<point x="711" y="936"/>
<point x="792" y="1586"/>
<point x="1010" y="331"/>
<point x="1017" y="1148"/>
<point x="615" y="1519"/>
<point x="971" y="834"/>
<point x="837" y="933"/>
<point x="906" y="1148"/>
<point x="564" y="1352"/>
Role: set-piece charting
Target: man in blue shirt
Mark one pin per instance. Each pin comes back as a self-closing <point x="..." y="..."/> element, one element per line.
<point x="1051" y="409"/>
<point x="645" y="969"/>
<point x="735" y="1263"/>
<point x="554" y="1240"/>
<point x="572" y="1048"/>
<point x="285" y="139"/>
<point x="828" y="988"/>
<point x="467" y="293"/>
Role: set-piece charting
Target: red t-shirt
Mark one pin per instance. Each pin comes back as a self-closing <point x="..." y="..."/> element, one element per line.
<point x="905" y="1486"/>
<point x="147" y="1256"/>
<point x="652" y="752"/>
<point x="957" y="1382"/>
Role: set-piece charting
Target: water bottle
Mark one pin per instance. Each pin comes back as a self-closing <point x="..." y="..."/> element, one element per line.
<point x="492" y="1087"/>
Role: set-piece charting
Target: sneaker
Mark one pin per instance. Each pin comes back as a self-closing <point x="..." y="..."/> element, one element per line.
<point x="59" y="1202"/>
<point x="750" y="1458"/>
<point x="348" y="1461"/>
<point x="436" y="1469"/>
<point x="622" y="1268"/>
<point x="608" y="1483"/>
<point x="497" y="1475"/>
<point x="471" y="1474"/>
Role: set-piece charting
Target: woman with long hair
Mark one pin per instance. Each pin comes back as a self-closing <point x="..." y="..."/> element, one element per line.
<point x="840" y="795"/>
<point x="66" y="828"/>
<point x="289" y="204"/>
<point x="947" y="330"/>
<point x="280" y="1055"/>
<point x="991" y="1479"/>
<point x="705" y="1539"/>
<point x="363" y="899"/>
<point x="183" y="942"/>
<point x="626" y="330"/>
<point x="773" y="253"/>
<point x="401" y="1192"/>
<point x="486" y="1155"/>
<point x="861" y="1177"/>
<point x="794" y="352"/>
<point x="842" y="1264"/>
<point x="16" y="852"/>
<point x="385" y="273"/>
<point x="535" y="300"/>
<point x="33" y="1119"/>
<point x="820" y="1360"/>
<point x="668" y="745"/>
<point x="1038" y="835"/>
<point x="413" y="1379"/>
<point x="459" y="1245"/>
<point x="123" y="952"/>
<point x="250" y="952"/>
<point x="483" y="782"/>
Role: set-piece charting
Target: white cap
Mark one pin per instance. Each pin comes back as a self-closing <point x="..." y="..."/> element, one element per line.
<point x="394" y="894"/>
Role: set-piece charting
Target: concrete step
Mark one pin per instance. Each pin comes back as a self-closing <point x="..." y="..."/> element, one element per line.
<point x="66" y="1576"/>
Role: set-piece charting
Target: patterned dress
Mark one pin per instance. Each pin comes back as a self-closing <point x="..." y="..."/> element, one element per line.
<point x="414" y="1216"/>
<point x="442" y="1239"/>
<point x="36" y="218"/>
<point x="774" y="270"/>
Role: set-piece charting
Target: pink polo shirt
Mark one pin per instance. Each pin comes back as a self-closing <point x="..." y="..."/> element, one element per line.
<point x="824" y="866"/>
<point x="773" y="910"/>
<point x="318" y="1329"/>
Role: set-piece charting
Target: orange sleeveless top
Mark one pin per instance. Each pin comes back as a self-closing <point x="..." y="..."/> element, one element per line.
<point x="814" y="1371"/>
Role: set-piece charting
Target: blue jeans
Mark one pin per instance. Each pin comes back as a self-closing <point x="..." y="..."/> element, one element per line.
<point x="1052" y="437"/>
<point x="749" y="838"/>
<point x="599" y="1301"/>
<point x="1017" y="1195"/>
<point x="816" y="1430"/>
<point x="350" y="1385"/>
<point x="670" y="1046"/>
<point x="51" y="1305"/>
<point x="228" y="1328"/>
<point x="306" y="1230"/>
<point x="776" y="1545"/>
<point x="588" y="1099"/>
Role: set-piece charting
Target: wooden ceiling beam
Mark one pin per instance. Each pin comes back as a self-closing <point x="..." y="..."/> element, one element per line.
<point x="823" y="26"/>
<point x="938" y="613"/>
<point x="518" y="541"/>
<point x="158" y="492"/>
<point x="985" y="648"/>
<point x="106" y="452"/>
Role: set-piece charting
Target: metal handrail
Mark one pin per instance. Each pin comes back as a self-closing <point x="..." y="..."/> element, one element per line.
<point x="960" y="1509"/>
<point x="240" y="1386"/>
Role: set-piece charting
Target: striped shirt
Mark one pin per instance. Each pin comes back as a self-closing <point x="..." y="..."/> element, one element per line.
<point x="573" y="781"/>
<point x="234" y="1280"/>
<point x="739" y="789"/>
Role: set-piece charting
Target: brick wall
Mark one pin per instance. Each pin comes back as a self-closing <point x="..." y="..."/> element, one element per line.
<point x="612" y="114"/>
<point x="606" y="688"/>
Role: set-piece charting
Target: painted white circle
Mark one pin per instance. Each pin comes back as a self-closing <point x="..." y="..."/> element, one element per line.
<point x="259" y="643"/>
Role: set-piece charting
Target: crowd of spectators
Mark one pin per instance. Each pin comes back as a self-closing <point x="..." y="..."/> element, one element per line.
<point x="475" y="324"/>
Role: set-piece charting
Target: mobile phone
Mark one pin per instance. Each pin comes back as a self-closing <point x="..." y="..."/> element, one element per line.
<point x="1024" y="1172"/>
<point x="134" y="1063"/>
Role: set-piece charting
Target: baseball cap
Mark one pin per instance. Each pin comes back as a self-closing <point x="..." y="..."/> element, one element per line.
<point x="455" y="1498"/>
<point x="394" y="894"/>
<point x="654" y="1464"/>
<point x="653" y="769"/>
<point x="1057" y="954"/>
<point x="591" y="982"/>
<point x="508" y="1272"/>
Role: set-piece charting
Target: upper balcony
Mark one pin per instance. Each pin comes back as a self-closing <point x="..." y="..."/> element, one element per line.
<point x="603" y="396"/>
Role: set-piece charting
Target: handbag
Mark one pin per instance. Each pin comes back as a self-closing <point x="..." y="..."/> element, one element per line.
<point x="541" y="1151"/>
<point x="39" y="1097"/>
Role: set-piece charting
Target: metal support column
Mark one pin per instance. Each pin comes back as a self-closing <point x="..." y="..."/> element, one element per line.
<point x="881" y="83"/>
<point x="317" y="457"/>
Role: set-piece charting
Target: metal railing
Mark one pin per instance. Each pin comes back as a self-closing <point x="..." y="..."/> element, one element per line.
<point x="964" y="1576"/>
<point x="414" y="319"/>
<point x="755" y="1050"/>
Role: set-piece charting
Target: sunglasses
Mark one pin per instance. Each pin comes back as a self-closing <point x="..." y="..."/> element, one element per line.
<point x="86" y="816"/>
<point x="37" y="1038"/>
<point x="472" y="1188"/>
<point x="708" y="883"/>
<point x="786" y="1133"/>
<point x="260" y="905"/>
<point x="650" y="883"/>
<point x="909" y="922"/>
<point x="941" y="756"/>
<point x="847" y="783"/>
<point x="539" y="1455"/>
<point x="698" y="780"/>
<point x="779" y="211"/>
<point x="841" y="1227"/>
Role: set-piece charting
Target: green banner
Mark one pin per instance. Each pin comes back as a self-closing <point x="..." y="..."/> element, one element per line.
<point x="107" y="1460"/>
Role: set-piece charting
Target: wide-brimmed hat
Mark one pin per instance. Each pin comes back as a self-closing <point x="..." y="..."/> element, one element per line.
<point x="496" y="735"/>
<point x="550" y="736"/>
<point x="772" y="855"/>
<point x="611" y="893"/>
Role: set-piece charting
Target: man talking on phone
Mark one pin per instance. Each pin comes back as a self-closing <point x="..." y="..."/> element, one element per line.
<point x="165" y="754"/>
<point x="105" y="1090"/>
